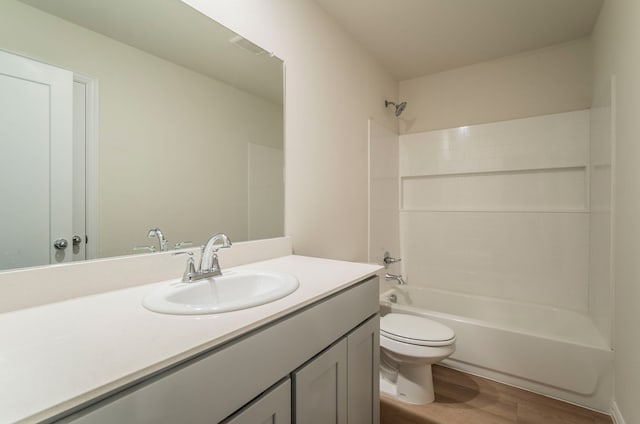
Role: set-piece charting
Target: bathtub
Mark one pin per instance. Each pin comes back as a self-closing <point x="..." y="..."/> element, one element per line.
<point x="555" y="352"/>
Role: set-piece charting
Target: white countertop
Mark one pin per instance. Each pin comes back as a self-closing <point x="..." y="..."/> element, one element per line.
<point x="57" y="356"/>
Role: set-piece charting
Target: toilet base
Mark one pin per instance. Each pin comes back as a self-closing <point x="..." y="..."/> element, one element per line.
<point x="412" y="384"/>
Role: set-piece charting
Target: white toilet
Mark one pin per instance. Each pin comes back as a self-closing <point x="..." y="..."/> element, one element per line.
<point x="408" y="346"/>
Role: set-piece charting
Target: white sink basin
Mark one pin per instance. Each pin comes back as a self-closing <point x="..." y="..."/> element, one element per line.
<point x="231" y="291"/>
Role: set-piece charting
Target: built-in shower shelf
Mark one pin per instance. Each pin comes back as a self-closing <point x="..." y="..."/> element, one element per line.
<point x="562" y="189"/>
<point x="501" y="171"/>
<point x="585" y="211"/>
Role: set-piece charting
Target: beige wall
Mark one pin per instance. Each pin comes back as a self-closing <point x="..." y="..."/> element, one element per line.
<point x="173" y="143"/>
<point x="551" y="80"/>
<point x="616" y="51"/>
<point x="332" y="88"/>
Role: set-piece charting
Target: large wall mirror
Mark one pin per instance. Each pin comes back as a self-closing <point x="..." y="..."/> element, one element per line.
<point x="121" y="116"/>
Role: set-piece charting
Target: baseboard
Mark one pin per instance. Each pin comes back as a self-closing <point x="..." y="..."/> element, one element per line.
<point x="615" y="414"/>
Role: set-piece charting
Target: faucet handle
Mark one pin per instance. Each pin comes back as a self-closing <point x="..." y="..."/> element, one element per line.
<point x="190" y="270"/>
<point x="147" y="248"/>
<point x="182" y="244"/>
<point x="388" y="260"/>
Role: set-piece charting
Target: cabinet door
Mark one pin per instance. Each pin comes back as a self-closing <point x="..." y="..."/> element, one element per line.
<point x="320" y="388"/>
<point x="274" y="407"/>
<point x="363" y="381"/>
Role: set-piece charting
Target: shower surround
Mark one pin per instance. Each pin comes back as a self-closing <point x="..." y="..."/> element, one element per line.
<point x="500" y="209"/>
<point x="501" y="213"/>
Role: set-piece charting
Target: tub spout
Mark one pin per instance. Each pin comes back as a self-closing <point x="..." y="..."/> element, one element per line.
<point x="397" y="277"/>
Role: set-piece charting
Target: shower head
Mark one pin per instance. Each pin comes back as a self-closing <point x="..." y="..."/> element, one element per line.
<point x="399" y="107"/>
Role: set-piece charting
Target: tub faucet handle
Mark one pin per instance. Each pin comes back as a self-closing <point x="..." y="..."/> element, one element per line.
<point x="388" y="260"/>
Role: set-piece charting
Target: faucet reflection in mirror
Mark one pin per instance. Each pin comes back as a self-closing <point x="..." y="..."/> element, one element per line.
<point x="162" y="241"/>
<point x="154" y="105"/>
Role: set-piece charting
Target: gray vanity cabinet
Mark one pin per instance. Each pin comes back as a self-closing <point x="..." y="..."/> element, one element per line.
<point x="321" y="388"/>
<point x="363" y="377"/>
<point x="341" y="384"/>
<point x="319" y="361"/>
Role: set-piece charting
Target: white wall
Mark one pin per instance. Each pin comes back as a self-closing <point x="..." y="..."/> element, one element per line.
<point x="616" y="51"/>
<point x="551" y="80"/>
<point x="332" y="88"/>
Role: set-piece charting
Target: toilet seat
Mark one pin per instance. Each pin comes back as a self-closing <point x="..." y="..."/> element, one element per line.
<point x="415" y="330"/>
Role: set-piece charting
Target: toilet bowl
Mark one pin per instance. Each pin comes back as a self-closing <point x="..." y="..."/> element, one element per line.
<point x="409" y="345"/>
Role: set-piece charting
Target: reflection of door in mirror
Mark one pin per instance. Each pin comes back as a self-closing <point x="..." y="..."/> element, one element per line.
<point x="79" y="185"/>
<point x="39" y="108"/>
<point x="265" y="192"/>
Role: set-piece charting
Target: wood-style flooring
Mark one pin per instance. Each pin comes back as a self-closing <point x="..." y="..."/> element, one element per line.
<point x="466" y="399"/>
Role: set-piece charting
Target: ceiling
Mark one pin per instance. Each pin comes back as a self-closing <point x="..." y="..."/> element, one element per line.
<point x="412" y="38"/>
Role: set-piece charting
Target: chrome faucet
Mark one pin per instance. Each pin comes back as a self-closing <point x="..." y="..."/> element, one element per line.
<point x="397" y="277"/>
<point x="162" y="241"/>
<point x="209" y="266"/>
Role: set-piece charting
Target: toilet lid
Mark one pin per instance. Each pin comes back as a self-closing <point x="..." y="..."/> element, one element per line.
<point x="415" y="330"/>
